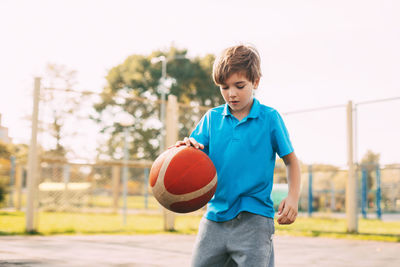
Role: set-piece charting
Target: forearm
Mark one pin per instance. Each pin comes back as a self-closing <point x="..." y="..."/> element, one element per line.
<point x="288" y="208"/>
<point x="294" y="177"/>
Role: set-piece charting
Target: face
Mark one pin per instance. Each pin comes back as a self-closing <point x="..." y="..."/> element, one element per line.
<point x="238" y="94"/>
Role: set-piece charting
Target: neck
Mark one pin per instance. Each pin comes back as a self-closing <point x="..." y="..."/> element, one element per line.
<point x="242" y="113"/>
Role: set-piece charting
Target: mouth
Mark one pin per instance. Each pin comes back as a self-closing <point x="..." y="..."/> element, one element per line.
<point x="234" y="102"/>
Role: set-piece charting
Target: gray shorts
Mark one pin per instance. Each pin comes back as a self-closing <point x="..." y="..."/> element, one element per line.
<point x="243" y="241"/>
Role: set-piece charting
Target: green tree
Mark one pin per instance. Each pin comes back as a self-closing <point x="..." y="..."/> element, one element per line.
<point x="5" y="152"/>
<point x="137" y="79"/>
<point x="20" y="151"/>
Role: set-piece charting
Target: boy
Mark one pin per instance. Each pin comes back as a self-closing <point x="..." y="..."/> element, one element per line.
<point x="242" y="138"/>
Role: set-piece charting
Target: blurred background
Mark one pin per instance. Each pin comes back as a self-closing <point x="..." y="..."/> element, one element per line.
<point x="107" y="70"/>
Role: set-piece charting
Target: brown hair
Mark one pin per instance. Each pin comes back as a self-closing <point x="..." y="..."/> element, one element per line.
<point x="241" y="58"/>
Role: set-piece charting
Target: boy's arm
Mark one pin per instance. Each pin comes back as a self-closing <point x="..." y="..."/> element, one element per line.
<point x="288" y="208"/>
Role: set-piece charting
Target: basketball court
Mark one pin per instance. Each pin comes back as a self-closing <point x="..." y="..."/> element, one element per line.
<point x="175" y="250"/>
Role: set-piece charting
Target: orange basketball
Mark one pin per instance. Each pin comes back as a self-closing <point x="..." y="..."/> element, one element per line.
<point x="183" y="179"/>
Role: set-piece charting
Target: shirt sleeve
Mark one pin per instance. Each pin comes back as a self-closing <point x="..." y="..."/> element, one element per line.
<point x="202" y="132"/>
<point x="279" y="136"/>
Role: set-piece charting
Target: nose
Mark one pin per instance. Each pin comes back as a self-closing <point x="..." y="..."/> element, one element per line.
<point x="232" y="93"/>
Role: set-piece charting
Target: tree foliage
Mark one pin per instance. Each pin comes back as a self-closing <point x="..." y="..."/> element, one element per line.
<point x="5" y="152"/>
<point x="137" y="79"/>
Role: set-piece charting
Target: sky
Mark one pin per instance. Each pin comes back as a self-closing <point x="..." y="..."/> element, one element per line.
<point x="314" y="53"/>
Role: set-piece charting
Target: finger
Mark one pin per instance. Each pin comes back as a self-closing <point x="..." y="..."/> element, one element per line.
<point x="290" y="214"/>
<point x="282" y="220"/>
<point x="179" y="143"/>
<point x="293" y="216"/>
<point x="285" y="211"/>
<point x="194" y="142"/>
<point x="284" y="216"/>
<point x="200" y="146"/>
<point x="187" y="141"/>
<point x="287" y="221"/>
<point x="281" y="206"/>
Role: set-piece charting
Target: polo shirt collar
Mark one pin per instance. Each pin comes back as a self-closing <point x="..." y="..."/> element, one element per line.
<point x="226" y="111"/>
<point x="255" y="109"/>
<point x="254" y="112"/>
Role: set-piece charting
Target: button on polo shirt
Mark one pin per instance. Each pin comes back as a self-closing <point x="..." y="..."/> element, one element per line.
<point x="244" y="154"/>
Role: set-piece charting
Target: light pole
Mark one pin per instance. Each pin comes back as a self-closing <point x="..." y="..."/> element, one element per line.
<point x="164" y="89"/>
<point x="125" y="120"/>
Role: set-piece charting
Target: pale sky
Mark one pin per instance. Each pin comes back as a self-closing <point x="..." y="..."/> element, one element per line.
<point x="314" y="53"/>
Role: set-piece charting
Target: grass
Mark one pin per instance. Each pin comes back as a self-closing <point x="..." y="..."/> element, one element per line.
<point x="51" y="223"/>
<point x="104" y="201"/>
<point x="133" y="202"/>
<point x="328" y="227"/>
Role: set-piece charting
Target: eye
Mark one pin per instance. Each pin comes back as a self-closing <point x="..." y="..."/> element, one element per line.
<point x="240" y="85"/>
<point x="224" y="87"/>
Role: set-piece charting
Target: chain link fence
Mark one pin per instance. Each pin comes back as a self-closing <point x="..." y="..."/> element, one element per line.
<point x="5" y="183"/>
<point x="391" y="189"/>
<point x="73" y="187"/>
<point x="64" y="185"/>
<point x="76" y="187"/>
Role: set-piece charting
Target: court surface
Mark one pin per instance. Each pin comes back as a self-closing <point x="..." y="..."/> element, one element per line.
<point x="175" y="250"/>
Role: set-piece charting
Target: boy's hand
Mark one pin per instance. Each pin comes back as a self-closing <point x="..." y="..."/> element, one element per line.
<point x="188" y="142"/>
<point x="288" y="210"/>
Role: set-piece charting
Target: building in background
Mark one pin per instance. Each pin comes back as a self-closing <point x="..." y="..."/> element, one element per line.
<point x="4" y="134"/>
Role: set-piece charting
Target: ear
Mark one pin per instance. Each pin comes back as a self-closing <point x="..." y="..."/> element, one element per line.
<point x="255" y="84"/>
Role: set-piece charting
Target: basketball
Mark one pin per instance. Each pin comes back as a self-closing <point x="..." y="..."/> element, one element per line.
<point x="183" y="179"/>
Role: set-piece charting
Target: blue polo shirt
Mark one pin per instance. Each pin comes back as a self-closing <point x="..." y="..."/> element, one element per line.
<point x="243" y="153"/>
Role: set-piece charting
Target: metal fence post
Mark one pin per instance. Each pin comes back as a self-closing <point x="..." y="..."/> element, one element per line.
<point x="333" y="196"/>
<point x="125" y="177"/>
<point x="146" y="190"/>
<point x="12" y="181"/>
<point x="364" y="192"/>
<point x="66" y="177"/>
<point x="18" y="186"/>
<point x="310" y="191"/>
<point x="378" y="193"/>
<point x="116" y="177"/>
